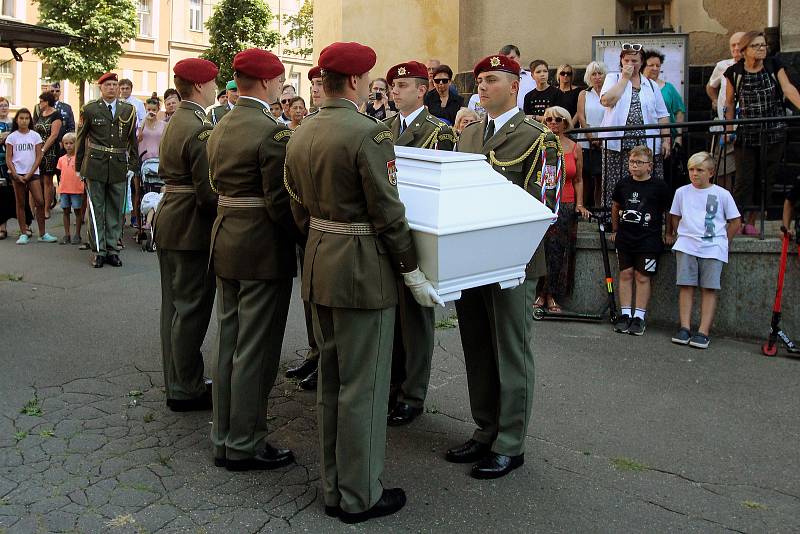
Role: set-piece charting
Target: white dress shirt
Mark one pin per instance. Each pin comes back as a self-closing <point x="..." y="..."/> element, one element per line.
<point x="411" y="116"/>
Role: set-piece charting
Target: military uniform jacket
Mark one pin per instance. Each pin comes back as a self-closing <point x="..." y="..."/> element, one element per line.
<point x="106" y="146"/>
<point x="340" y="166"/>
<point x="216" y="113"/>
<point x="426" y="131"/>
<point x="246" y="153"/>
<point x="515" y="151"/>
<point x="183" y="220"/>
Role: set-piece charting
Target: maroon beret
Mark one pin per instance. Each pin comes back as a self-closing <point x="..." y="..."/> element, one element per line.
<point x="410" y="69"/>
<point x="107" y="76"/>
<point x="195" y="70"/>
<point x="315" y="72"/>
<point x="347" y="58"/>
<point x="258" y="64"/>
<point x="496" y="62"/>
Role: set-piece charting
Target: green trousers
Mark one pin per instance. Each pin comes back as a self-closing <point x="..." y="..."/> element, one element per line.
<point x="187" y="298"/>
<point x="252" y="319"/>
<point x="496" y="327"/>
<point x="313" y="351"/>
<point x="413" y="344"/>
<point x="352" y="394"/>
<point x="105" y="214"/>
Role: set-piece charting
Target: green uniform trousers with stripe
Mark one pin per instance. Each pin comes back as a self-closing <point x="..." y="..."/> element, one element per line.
<point x="105" y="215"/>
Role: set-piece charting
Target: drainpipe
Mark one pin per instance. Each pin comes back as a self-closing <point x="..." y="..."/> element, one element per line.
<point x="772" y="32"/>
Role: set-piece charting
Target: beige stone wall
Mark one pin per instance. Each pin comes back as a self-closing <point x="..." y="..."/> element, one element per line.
<point x="790" y="25"/>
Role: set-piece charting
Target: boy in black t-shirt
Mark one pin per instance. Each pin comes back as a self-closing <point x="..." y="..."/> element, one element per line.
<point x="637" y="215"/>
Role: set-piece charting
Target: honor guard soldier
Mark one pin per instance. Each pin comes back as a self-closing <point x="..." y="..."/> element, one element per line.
<point x="317" y="89"/>
<point x="414" y="327"/>
<point x="253" y="255"/>
<point x="216" y="113"/>
<point x="183" y="234"/>
<point x="106" y="157"/>
<point x="344" y="195"/>
<point x="496" y="324"/>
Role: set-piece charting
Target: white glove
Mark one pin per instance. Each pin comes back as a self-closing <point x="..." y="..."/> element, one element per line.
<point x="422" y="289"/>
<point x="129" y="175"/>
<point x="79" y="176"/>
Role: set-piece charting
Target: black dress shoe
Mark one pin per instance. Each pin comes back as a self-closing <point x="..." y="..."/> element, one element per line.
<point x="302" y="370"/>
<point x="496" y="465"/>
<point x="220" y="461"/>
<point x="309" y="383"/>
<point x="198" y="404"/>
<point x="332" y="511"/>
<point x="390" y="502"/>
<point x="269" y="458"/>
<point x="113" y="260"/>
<point x="402" y="414"/>
<point x="469" y="452"/>
<point x="98" y="261"/>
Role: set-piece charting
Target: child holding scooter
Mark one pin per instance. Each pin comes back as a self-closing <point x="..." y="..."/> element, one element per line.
<point x="706" y="219"/>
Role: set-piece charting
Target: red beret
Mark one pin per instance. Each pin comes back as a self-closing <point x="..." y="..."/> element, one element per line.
<point x="496" y="62"/>
<point x="258" y="64"/>
<point x="107" y="76"/>
<point x="315" y="72"/>
<point x="347" y="58"/>
<point x="195" y="70"/>
<point x="411" y="69"/>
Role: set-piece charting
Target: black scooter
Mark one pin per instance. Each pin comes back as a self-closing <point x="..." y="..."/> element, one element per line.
<point x="609" y="307"/>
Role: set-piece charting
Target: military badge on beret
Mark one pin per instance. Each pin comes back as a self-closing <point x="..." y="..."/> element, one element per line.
<point x="391" y="167"/>
<point x="495" y="61"/>
<point x="401" y="71"/>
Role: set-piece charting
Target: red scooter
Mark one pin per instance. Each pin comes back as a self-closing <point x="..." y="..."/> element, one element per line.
<point x="770" y="348"/>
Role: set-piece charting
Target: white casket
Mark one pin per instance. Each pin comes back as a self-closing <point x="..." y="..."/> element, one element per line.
<point x="471" y="226"/>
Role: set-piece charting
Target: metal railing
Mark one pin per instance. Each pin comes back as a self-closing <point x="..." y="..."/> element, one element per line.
<point x="709" y="136"/>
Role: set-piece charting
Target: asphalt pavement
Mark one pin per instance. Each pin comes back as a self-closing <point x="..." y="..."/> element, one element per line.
<point x="628" y="434"/>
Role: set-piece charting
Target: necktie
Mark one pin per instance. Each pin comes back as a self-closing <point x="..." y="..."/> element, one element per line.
<point x="403" y="126"/>
<point x="110" y="110"/>
<point x="489" y="131"/>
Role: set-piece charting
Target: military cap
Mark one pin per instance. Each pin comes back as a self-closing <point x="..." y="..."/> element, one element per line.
<point x="496" y="62"/>
<point x="195" y="70"/>
<point x="347" y="58"/>
<point x="258" y="63"/>
<point x="231" y="86"/>
<point x="315" y="72"/>
<point x="410" y="69"/>
<point x="107" y="76"/>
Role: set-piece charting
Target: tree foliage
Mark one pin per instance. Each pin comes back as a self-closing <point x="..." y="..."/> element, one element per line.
<point x="302" y="29"/>
<point x="101" y="27"/>
<point x="234" y="26"/>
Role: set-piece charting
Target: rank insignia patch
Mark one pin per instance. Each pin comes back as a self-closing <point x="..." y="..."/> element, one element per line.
<point x="391" y="167"/>
<point x="204" y="135"/>
<point x="383" y="136"/>
<point x="283" y="133"/>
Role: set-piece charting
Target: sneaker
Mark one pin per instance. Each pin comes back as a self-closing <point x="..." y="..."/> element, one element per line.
<point x="66" y="240"/>
<point x="682" y="337"/>
<point x="699" y="341"/>
<point x="47" y="238"/>
<point x="76" y="240"/>
<point x="23" y="239"/>
<point x="622" y="324"/>
<point x="636" y="327"/>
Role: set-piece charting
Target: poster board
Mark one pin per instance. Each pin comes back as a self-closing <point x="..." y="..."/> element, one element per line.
<point x="674" y="46"/>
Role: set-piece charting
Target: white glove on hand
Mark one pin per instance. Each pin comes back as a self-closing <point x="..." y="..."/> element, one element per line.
<point x="130" y="175"/>
<point x="422" y="289"/>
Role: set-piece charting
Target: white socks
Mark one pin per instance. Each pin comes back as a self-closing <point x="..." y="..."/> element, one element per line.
<point x="639" y="313"/>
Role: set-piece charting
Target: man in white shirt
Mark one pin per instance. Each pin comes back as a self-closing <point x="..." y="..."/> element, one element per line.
<point x="125" y="90"/>
<point x="526" y="83"/>
<point x="715" y="89"/>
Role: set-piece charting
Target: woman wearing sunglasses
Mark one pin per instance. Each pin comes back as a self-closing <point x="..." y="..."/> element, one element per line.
<point x="568" y="99"/>
<point x="440" y="101"/>
<point x="631" y="99"/>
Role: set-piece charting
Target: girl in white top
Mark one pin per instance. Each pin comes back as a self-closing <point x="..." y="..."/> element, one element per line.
<point x="23" y="156"/>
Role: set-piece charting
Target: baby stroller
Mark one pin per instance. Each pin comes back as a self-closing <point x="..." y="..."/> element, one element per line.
<point x="150" y="183"/>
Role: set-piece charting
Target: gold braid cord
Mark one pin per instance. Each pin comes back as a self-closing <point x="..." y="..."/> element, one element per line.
<point x="429" y="142"/>
<point x="289" y="189"/>
<point x="535" y="147"/>
<point x="211" y="182"/>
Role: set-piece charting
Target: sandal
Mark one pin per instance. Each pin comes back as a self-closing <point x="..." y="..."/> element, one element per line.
<point x="539" y="302"/>
<point x="553" y="307"/>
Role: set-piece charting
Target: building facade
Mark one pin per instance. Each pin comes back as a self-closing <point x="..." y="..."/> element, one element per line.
<point x="168" y="31"/>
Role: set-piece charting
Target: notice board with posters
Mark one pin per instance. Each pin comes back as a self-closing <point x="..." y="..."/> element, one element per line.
<point x="674" y="47"/>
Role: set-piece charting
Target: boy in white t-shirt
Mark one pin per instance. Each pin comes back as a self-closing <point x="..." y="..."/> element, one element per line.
<point x="706" y="219"/>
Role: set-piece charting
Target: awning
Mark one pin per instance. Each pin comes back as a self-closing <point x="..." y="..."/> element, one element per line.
<point x="19" y="35"/>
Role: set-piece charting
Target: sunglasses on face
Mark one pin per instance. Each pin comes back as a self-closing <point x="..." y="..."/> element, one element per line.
<point x="286" y="100"/>
<point x="441" y="80"/>
<point x="565" y="73"/>
<point x="557" y="120"/>
<point x="636" y="47"/>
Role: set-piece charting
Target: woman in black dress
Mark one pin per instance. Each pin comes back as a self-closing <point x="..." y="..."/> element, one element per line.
<point x="47" y="125"/>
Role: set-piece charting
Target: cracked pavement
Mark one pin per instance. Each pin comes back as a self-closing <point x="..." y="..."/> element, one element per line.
<point x="627" y="434"/>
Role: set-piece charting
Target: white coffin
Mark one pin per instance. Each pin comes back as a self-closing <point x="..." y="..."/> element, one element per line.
<point x="471" y="226"/>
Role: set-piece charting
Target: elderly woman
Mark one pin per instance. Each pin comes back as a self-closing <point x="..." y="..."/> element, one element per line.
<point x="559" y="241"/>
<point x="590" y="115"/>
<point x="440" y="101"/>
<point x="631" y="99"/>
<point x="48" y="125"/>
<point x="756" y="86"/>
<point x="464" y="118"/>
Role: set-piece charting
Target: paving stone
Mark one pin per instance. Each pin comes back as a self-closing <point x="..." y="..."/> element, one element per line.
<point x="45" y="506"/>
<point x="60" y="521"/>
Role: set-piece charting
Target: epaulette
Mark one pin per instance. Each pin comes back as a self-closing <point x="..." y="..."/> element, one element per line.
<point x="200" y="115"/>
<point x="536" y="124"/>
<point x="470" y="125"/>
<point x="436" y="121"/>
<point x="388" y="120"/>
<point x="370" y="117"/>
<point x="266" y="112"/>
<point x="312" y="113"/>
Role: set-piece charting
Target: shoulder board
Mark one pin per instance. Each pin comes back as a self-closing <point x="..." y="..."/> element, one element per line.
<point x="470" y="125"/>
<point x="281" y="134"/>
<point x="536" y="124"/>
<point x="202" y="117"/>
<point x="383" y="136"/>
<point x="370" y="117"/>
<point x="388" y="121"/>
<point x="266" y="112"/>
<point x="434" y="120"/>
<point x="312" y="114"/>
<point x="204" y="135"/>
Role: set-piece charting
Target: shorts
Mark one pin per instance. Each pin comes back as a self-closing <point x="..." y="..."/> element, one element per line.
<point x="643" y="262"/>
<point x="71" y="200"/>
<point x="697" y="272"/>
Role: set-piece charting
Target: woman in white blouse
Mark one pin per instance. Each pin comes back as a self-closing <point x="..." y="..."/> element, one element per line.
<point x="590" y="115"/>
<point x="631" y="99"/>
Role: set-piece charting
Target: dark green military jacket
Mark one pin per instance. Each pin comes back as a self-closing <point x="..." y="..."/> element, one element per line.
<point x="426" y="131"/>
<point x="216" y="113"/>
<point x="515" y="151"/>
<point x="183" y="220"/>
<point x="340" y="166"/>
<point x="246" y="153"/>
<point x="106" y="146"/>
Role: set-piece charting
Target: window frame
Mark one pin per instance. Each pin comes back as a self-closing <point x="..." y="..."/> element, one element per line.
<point x="140" y="16"/>
<point x="196" y="15"/>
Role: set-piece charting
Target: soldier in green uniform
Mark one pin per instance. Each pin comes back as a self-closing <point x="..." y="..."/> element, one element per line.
<point x="106" y="157"/>
<point x="413" y="126"/>
<point x="253" y="255"/>
<point x="496" y="324"/>
<point x="216" y="113"/>
<point x="345" y="196"/>
<point x="183" y="234"/>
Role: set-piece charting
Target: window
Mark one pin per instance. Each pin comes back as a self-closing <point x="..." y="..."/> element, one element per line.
<point x="145" y="13"/>
<point x="8" y="8"/>
<point x="196" y="15"/>
<point x="7" y="79"/>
